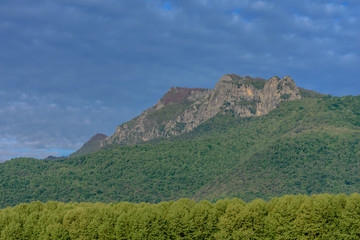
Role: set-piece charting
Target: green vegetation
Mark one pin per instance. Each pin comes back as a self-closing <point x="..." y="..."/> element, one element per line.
<point x="308" y="146"/>
<point x="310" y="94"/>
<point x="167" y="112"/>
<point x="289" y="217"/>
<point x="258" y="83"/>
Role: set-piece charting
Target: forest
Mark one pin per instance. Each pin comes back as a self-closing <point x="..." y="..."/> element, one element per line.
<point x="309" y="146"/>
<point x="321" y="216"/>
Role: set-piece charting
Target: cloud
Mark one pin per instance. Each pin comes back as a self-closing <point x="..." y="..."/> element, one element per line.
<point x="70" y="69"/>
<point x="39" y="123"/>
<point x="350" y="58"/>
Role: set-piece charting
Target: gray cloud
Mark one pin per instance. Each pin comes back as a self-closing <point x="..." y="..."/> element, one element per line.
<point x="70" y="69"/>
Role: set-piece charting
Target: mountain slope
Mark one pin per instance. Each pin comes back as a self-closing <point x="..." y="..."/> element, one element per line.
<point x="304" y="146"/>
<point x="93" y="145"/>
<point x="183" y="109"/>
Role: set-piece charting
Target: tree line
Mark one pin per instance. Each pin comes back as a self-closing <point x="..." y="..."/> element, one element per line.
<point x="321" y="216"/>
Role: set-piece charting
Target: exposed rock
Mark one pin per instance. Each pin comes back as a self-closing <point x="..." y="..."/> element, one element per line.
<point x="181" y="110"/>
<point x="154" y="122"/>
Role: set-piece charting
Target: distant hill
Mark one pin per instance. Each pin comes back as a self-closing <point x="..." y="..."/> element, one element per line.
<point x="309" y="145"/>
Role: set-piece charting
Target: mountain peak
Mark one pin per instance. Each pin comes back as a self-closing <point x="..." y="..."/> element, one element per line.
<point x="97" y="137"/>
<point x="182" y="109"/>
<point x="274" y="78"/>
<point x="179" y="95"/>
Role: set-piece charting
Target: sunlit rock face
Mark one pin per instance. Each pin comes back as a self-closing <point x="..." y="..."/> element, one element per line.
<point x="181" y="110"/>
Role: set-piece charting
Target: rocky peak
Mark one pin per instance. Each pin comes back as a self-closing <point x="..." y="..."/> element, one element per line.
<point x="97" y="137"/>
<point x="224" y="84"/>
<point x="180" y="95"/>
<point x="182" y="109"/>
<point x="277" y="90"/>
<point x="247" y="96"/>
<point x="275" y="84"/>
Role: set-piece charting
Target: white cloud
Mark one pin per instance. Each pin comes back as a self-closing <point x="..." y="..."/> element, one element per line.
<point x="306" y="22"/>
<point x="332" y="8"/>
<point x="262" y="5"/>
<point x="349" y="57"/>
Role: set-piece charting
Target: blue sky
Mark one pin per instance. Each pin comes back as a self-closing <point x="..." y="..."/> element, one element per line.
<point x="71" y="69"/>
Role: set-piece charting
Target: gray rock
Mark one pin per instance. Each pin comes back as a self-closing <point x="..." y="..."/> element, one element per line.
<point x="183" y="109"/>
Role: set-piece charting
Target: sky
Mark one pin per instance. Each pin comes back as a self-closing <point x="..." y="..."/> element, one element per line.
<point x="72" y="68"/>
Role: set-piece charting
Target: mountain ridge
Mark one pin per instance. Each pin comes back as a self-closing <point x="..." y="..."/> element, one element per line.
<point x="306" y="146"/>
<point x="182" y="109"/>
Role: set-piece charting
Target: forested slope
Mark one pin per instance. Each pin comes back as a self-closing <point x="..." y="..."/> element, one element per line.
<point x="306" y="146"/>
<point x="289" y="217"/>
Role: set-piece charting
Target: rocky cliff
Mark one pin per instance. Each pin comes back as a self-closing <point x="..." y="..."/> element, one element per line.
<point x="181" y="110"/>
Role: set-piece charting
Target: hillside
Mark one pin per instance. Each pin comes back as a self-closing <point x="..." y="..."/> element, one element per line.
<point x="181" y="110"/>
<point x="304" y="146"/>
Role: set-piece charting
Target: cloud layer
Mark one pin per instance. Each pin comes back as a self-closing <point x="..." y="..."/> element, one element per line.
<point x="70" y="69"/>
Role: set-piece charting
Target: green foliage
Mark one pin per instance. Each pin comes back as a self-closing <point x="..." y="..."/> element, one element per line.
<point x="308" y="146"/>
<point x="289" y="217"/>
<point x="167" y="112"/>
<point x="258" y="83"/>
<point x="310" y="94"/>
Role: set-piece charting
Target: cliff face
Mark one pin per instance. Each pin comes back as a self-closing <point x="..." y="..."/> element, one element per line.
<point x="181" y="110"/>
<point x="159" y="120"/>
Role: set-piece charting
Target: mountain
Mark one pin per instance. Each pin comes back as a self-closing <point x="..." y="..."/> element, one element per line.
<point x="181" y="110"/>
<point x="305" y="146"/>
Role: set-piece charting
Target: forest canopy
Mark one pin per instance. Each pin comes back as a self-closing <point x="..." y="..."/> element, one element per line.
<point x="321" y="216"/>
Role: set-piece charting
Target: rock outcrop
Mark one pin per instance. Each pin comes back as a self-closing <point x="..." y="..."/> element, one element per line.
<point x="181" y="110"/>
